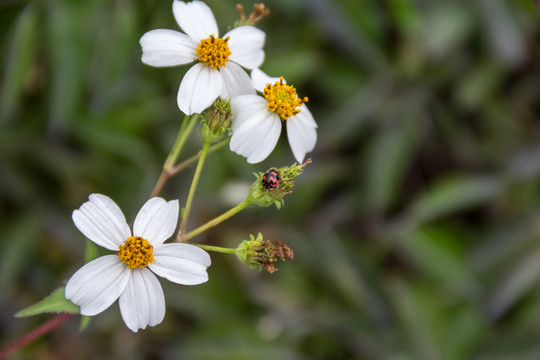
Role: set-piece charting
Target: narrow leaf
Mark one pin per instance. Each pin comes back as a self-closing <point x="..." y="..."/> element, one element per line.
<point x="85" y="320"/>
<point x="54" y="303"/>
<point x="454" y="194"/>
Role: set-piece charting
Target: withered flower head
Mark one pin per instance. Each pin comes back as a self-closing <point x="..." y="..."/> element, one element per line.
<point x="260" y="253"/>
<point x="259" y="12"/>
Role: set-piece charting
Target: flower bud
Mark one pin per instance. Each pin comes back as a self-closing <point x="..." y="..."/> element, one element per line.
<point x="262" y="253"/>
<point x="272" y="186"/>
<point x="217" y="120"/>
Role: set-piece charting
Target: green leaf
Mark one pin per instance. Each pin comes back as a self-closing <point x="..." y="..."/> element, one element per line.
<point x="390" y="156"/>
<point x="420" y="317"/>
<point x="406" y="15"/>
<point x="516" y="282"/>
<point x="24" y="231"/>
<point x="85" y="321"/>
<point x="54" y="303"/>
<point x="455" y="194"/>
<point x="19" y="62"/>
<point x="437" y="251"/>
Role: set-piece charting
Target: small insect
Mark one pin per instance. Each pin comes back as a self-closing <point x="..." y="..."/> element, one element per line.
<point x="270" y="179"/>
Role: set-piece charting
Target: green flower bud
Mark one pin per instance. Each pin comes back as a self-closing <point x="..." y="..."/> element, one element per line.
<point x="217" y="120"/>
<point x="261" y="194"/>
<point x="259" y="253"/>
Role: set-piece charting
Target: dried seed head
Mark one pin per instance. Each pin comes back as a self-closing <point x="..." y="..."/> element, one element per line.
<point x="260" y="253"/>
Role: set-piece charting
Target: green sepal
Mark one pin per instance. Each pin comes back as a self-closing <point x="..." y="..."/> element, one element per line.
<point x="257" y="266"/>
<point x="85" y="321"/>
<point x="246" y="252"/>
<point x="242" y="250"/>
<point x="215" y="124"/>
<point x="258" y="196"/>
<point x="209" y="136"/>
<point x="54" y="303"/>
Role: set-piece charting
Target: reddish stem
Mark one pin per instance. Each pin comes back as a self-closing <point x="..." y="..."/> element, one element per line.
<point x="34" y="334"/>
<point x="165" y="174"/>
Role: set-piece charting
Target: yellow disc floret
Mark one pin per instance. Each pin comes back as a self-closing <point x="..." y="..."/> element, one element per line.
<point x="282" y="99"/>
<point x="136" y="252"/>
<point x="214" y="52"/>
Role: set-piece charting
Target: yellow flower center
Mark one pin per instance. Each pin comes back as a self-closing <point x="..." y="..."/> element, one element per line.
<point x="282" y="99"/>
<point x="214" y="52"/>
<point x="136" y="252"/>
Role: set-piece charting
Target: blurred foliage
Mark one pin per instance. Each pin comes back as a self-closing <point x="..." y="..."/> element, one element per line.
<point x="416" y="229"/>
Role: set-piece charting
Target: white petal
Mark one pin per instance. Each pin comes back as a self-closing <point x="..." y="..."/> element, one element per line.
<point x="196" y="19"/>
<point x="246" y="46"/>
<point x="142" y="303"/>
<point x="199" y="88"/>
<point x="244" y="107"/>
<point x="156" y="221"/>
<point x="167" y="48"/>
<point x="257" y="136"/>
<point x="181" y="263"/>
<point x="235" y="81"/>
<point x="98" y="284"/>
<point x="306" y="117"/>
<point x="259" y="79"/>
<point x="102" y="221"/>
<point x="302" y="135"/>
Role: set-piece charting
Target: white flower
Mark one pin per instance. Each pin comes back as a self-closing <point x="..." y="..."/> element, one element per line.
<point x="256" y="120"/>
<point x="219" y="70"/>
<point x="129" y="275"/>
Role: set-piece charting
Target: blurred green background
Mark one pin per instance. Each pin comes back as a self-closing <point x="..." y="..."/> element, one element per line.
<point x="416" y="230"/>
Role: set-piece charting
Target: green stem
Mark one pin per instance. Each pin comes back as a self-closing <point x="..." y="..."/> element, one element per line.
<point x="193" y="187"/>
<point x="183" y="134"/>
<point x="215" y="221"/>
<point x="195" y="157"/>
<point x="216" y="249"/>
<point x="166" y="172"/>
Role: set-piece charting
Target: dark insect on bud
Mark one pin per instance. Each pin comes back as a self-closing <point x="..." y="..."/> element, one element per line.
<point x="270" y="179"/>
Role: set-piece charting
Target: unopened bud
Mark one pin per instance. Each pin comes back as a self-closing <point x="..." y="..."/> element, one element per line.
<point x="273" y="185"/>
<point x="217" y="120"/>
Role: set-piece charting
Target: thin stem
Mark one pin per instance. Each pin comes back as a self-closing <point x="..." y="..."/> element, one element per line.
<point x="216" y="249"/>
<point x="165" y="175"/>
<point x="183" y="134"/>
<point x="193" y="187"/>
<point x="34" y="334"/>
<point x="195" y="157"/>
<point x="215" y="221"/>
<point x="166" y="172"/>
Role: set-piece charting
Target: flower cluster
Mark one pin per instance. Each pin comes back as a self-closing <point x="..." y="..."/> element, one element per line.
<point x="218" y="72"/>
<point x="218" y="90"/>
